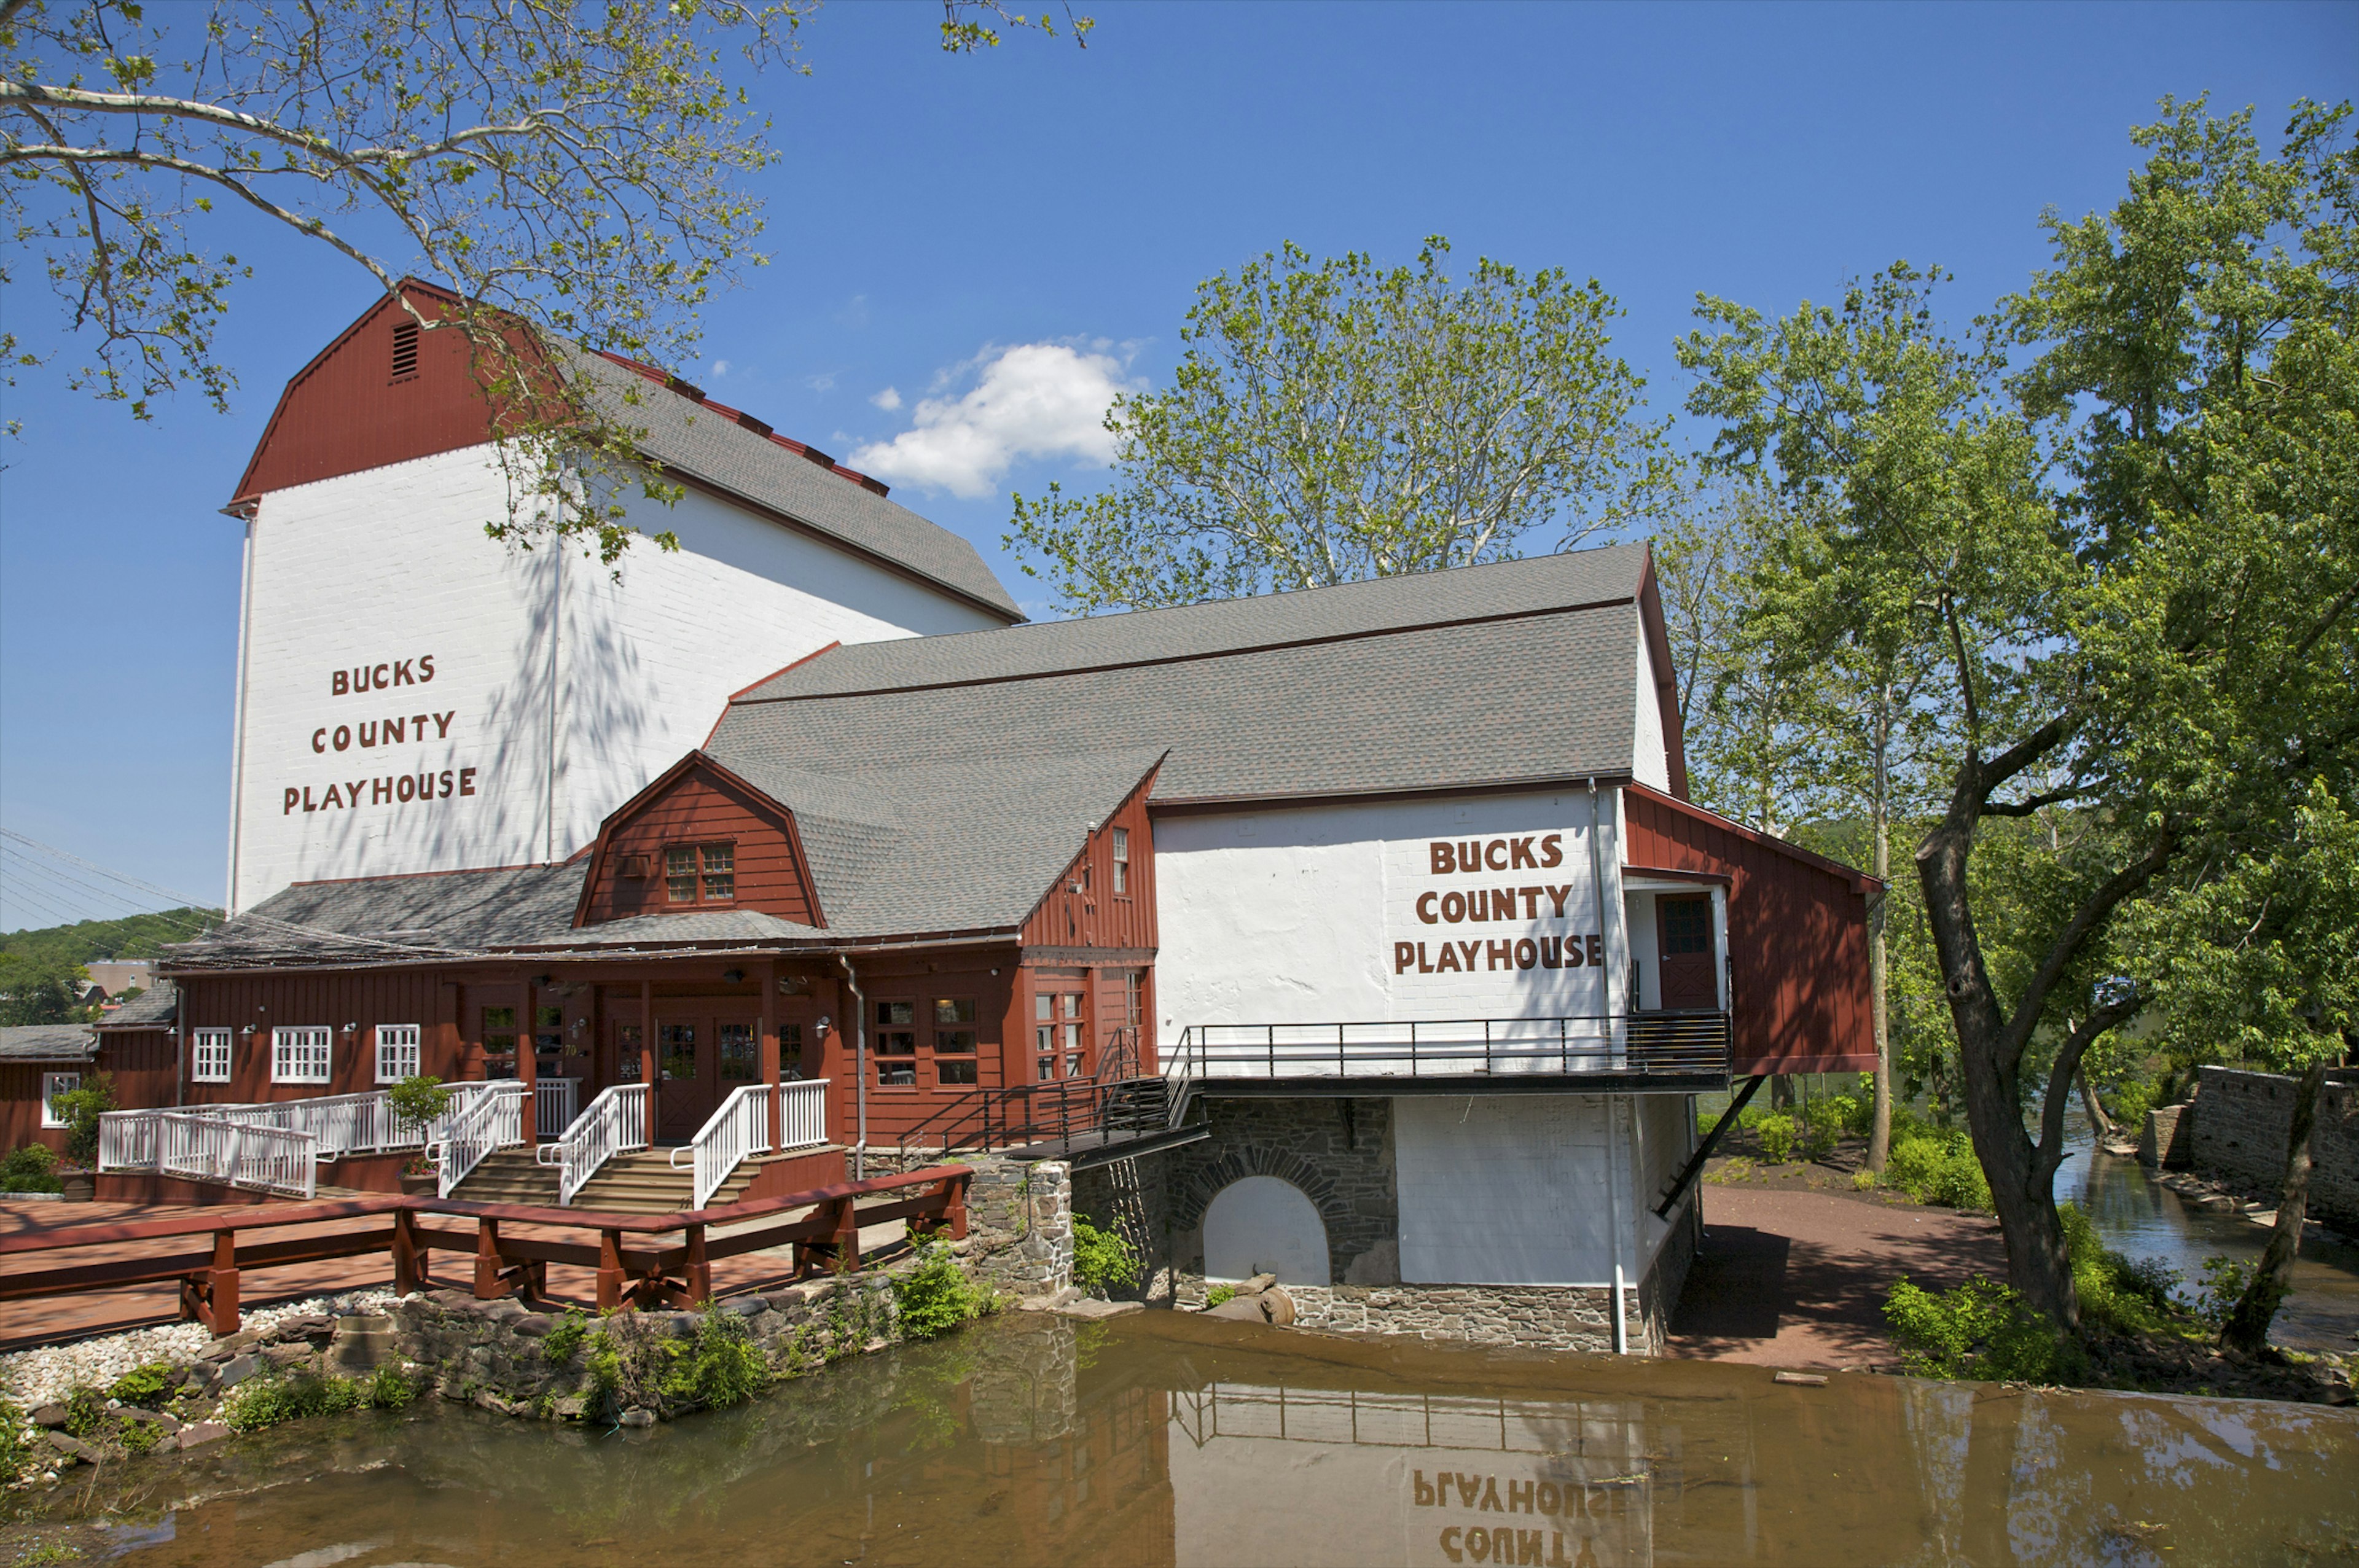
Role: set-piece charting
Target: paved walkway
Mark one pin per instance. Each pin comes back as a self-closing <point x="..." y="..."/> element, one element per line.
<point x="1797" y="1278"/>
<point x="50" y="1320"/>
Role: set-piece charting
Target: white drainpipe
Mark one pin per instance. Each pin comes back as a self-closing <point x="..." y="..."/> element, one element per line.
<point x="860" y="1066"/>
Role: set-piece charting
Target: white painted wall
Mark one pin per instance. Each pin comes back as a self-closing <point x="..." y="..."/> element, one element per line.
<point x="1266" y="1224"/>
<point x="1650" y="755"/>
<point x="373" y="569"/>
<point x="1507" y="1190"/>
<point x="1298" y="917"/>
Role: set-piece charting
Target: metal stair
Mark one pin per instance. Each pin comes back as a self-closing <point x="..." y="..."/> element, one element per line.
<point x="640" y="1183"/>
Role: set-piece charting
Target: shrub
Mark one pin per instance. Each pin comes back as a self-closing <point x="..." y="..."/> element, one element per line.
<point x="31" y="1168"/>
<point x="1102" y="1259"/>
<point x="86" y="1413"/>
<point x="1822" y="1124"/>
<point x="1982" y="1330"/>
<point x="420" y="1098"/>
<point x="1864" y="1180"/>
<point x="1938" y="1167"/>
<point x="719" y="1365"/>
<point x="142" y="1385"/>
<point x="2131" y="1101"/>
<point x="80" y="1109"/>
<point x="936" y="1296"/>
<point x="565" y="1338"/>
<point x="1776" y="1134"/>
<point x="20" y="1449"/>
<point x="1218" y="1294"/>
<point x="2225" y="1282"/>
<point x="269" y="1400"/>
<point x="2115" y="1293"/>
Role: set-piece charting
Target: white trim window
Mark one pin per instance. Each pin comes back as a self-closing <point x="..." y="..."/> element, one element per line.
<point x="397" y="1052"/>
<point x="209" y="1056"/>
<point x="52" y="1085"/>
<point x="1122" y="859"/>
<point x="299" y="1055"/>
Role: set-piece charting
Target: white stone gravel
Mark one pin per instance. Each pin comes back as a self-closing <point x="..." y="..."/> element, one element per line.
<point x="36" y="1376"/>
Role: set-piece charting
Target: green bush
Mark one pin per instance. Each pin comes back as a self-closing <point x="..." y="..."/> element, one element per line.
<point x="2129" y="1103"/>
<point x="1102" y="1259"/>
<point x="269" y="1400"/>
<point x="80" y="1109"/>
<point x="1776" y="1134"/>
<point x="2225" y="1282"/>
<point x="419" y="1097"/>
<point x="1218" y="1294"/>
<point x="1938" y="1167"/>
<point x="936" y="1296"/>
<point x="21" y="1449"/>
<point x="30" y="1168"/>
<point x="565" y="1338"/>
<point x="719" y="1365"/>
<point x="1824" y="1121"/>
<point x="2115" y="1293"/>
<point x="142" y="1385"/>
<point x="1982" y="1330"/>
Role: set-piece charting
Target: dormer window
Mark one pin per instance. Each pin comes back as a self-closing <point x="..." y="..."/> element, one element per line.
<point x="700" y="873"/>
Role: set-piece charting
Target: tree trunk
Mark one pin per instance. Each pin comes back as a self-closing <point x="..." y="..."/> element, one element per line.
<point x="2248" y="1328"/>
<point x="2100" y="1123"/>
<point x="2022" y="1186"/>
<point x="1879" y="1131"/>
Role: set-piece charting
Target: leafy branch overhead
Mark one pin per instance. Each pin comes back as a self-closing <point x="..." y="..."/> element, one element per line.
<point x="1334" y="420"/>
<point x="574" y="175"/>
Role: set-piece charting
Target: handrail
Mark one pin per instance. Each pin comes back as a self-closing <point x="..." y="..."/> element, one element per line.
<point x="339" y="1125"/>
<point x="494" y="1119"/>
<point x="264" y="1159"/>
<point x="127" y="1139"/>
<point x="740" y="1128"/>
<point x="556" y="1101"/>
<point x="615" y="1122"/>
<point x="1680" y="1043"/>
<point x="1062" y="1108"/>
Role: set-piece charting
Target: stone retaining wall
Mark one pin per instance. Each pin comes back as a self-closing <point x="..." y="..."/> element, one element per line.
<point x="1542" y="1318"/>
<point x="2167" y="1143"/>
<point x="2239" y="1140"/>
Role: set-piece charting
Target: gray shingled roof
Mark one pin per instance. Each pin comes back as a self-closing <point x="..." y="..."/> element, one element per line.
<point x="683" y="435"/>
<point x="48" y="1043"/>
<point x="156" y="1008"/>
<point x="1545" y="583"/>
<point x="381" y="919"/>
<point x="1399" y="698"/>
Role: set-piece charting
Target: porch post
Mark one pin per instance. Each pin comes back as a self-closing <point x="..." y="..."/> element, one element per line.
<point x="770" y="1046"/>
<point x="647" y="1049"/>
<point x="528" y="1067"/>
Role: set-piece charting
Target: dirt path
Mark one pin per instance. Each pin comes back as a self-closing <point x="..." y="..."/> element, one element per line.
<point x="1797" y="1278"/>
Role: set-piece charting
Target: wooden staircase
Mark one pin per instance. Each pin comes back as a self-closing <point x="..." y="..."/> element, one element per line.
<point x="639" y="1182"/>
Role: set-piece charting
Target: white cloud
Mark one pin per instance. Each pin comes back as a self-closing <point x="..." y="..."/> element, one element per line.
<point x="720" y="369"/>
<point x="889" y="400"/>
<point x="1035" y="400"/>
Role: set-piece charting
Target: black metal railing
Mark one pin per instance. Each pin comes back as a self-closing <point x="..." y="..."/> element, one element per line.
<point x="1686" y="1043"/>
<point x="1069" y="1111"/>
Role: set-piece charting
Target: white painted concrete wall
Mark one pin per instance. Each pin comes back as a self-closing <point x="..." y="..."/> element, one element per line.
<point x="375" y="569"/>
<point x="1508" y="1190"/>
<point x="1317" y="915"/>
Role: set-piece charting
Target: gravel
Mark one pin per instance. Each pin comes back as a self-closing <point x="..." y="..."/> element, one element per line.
<point x="36" y="1376"/>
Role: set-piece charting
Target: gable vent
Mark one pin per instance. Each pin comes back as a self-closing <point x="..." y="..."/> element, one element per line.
<point x="405" y="349"/>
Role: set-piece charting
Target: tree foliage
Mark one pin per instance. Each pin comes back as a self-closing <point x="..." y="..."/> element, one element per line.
<point x="1336" y="420"/>
<point x="574" y="173"/>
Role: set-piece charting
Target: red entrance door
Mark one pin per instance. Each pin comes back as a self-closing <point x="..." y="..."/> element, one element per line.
<point x="701" y="1056"/>
<point x="1685" y="938"/>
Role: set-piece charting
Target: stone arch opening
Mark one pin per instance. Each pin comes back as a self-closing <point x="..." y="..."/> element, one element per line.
<point x="1266" y="1224"/>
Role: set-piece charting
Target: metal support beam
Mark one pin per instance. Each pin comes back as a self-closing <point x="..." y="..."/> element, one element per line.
<point x="1694" y="1167"/>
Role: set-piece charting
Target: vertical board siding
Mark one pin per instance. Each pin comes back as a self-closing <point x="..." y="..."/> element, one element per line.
<point x="333" y="998"/>
<point x="1796" y="939"/>
<point x="20" y="1103"/>
<point x="700" y="807"/>
<point x="1100" y="917"/>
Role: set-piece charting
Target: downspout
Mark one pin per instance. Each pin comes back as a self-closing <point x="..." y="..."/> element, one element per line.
<point x="556" y="627"/>
<point x="1597" y="875"/>
<point x="859" y="1066"/>
<point x="244" y="672"/>
<point x="1613" y="1218"/>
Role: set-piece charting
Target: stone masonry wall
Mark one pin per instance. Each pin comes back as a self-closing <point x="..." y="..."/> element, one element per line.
<point x="1545" y="1317"/>
<point x="2241" y="1122"/>
<point x="1339" y="1152"/>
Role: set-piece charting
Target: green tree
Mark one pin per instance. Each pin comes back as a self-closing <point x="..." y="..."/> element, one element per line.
<point x="1336" y="420"/>
<point x="573" y="173"/>
<point x="2162" y="634"/>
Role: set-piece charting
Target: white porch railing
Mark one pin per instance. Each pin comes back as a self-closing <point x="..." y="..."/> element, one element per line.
<point x="126" y="1140"/>
<point x="492" y="1120"/>
<point x="555" y="1103"/>
<point x="740" y="1128"/>
<point x="617" y="1121"/>
<point x="212" y="1148"/>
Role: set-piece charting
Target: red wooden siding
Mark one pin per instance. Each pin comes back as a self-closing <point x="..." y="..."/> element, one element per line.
<point x="142" y="1063"/>
<point x="20" y="1103"/>
<point x="700" y="803"/>
<point x="1797" y="937"/>
<point x="1084" y="910"/>
<point x="346" y="412"/>
<point x="364" y="997"/>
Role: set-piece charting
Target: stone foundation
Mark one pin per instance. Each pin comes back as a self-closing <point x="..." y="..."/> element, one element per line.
<point x="2167" y="1142"/>
<point x="1649" y="1330"/>
<point x="2239" y="1138"/>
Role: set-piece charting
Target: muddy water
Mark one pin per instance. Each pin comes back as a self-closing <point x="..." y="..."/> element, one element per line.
<point x="1159" y="1439"/>
<point x="2141" y="1217"/>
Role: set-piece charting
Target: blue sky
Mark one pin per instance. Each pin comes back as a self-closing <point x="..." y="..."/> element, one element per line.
<point x="932" y="213"/>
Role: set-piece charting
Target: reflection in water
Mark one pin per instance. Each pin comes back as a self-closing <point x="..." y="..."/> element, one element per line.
<point x="1164" y="1439"/>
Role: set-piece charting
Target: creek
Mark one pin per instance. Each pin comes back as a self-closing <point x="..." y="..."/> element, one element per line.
<point x="1164" y="1438"/>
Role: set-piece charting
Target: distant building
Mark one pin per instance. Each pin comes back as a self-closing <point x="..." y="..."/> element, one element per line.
<point x="115" y="976"/>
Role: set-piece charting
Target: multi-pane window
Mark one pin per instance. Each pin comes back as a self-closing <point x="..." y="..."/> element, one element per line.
<point x="896" y="1043"/>
<point x="741" y="1053"/>
<point x="1122" y="859"/>
<point x="700" y="873"/>
<point x="499" y="1036"/>
<point x="676" y="1052"/>
<point x="628" y="1043"/>
<point x="955" y="1040"/>
<point x="299" y="1055"/>
<point x="209" y="1056"/>
<point x="1056" y="1033"/>
<point x="548" y="1033"/>
<point x="1687" y="926"/>
<point x="52" y="1085"/>
<point x="397" y="1052"/>
<point x="790" y="1050"/>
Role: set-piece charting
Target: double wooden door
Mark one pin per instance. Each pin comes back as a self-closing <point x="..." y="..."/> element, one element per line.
<point x="705" y="1050"/>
